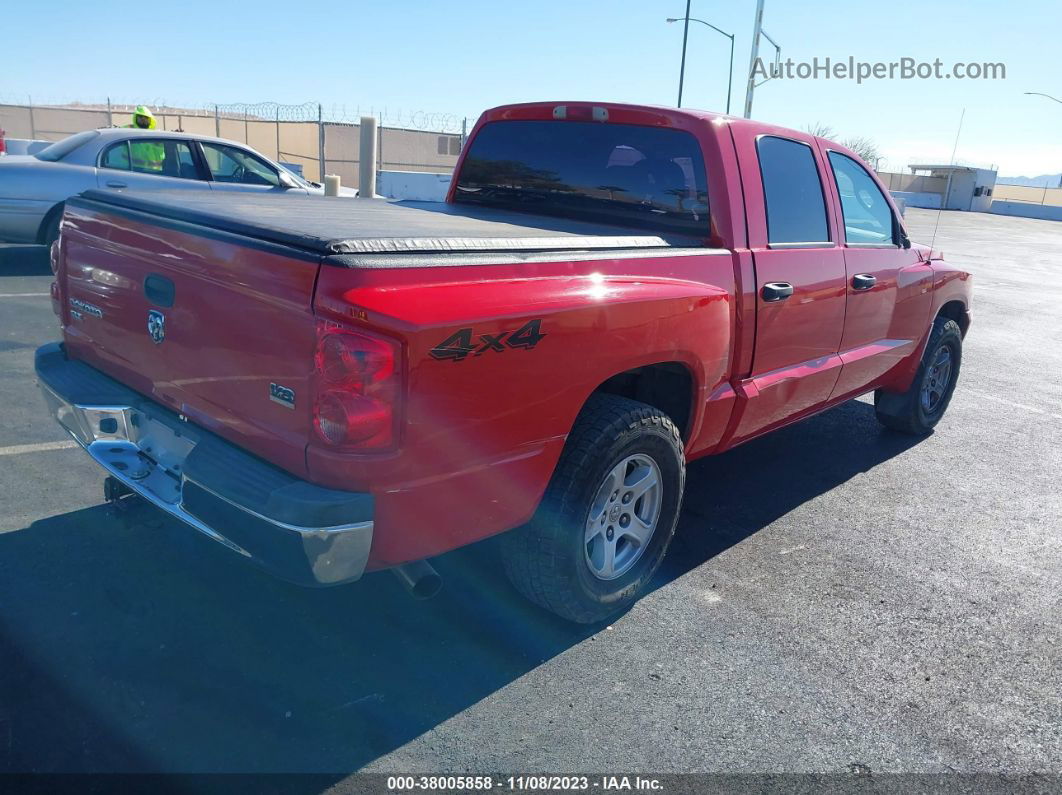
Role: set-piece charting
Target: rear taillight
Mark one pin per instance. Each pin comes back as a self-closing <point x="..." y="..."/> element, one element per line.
<point x="3" y="144"/>
<point x="358" y="388"/>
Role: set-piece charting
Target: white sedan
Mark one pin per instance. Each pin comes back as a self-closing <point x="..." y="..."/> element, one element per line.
<point x="34" y="187"/>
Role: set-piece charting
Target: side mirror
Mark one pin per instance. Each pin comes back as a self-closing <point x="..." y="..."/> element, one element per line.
<point x="286" y="180"/>
<point x="905" y="241"/>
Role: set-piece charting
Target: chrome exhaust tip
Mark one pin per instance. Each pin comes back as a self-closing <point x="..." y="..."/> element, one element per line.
<point x="419" y="578"/>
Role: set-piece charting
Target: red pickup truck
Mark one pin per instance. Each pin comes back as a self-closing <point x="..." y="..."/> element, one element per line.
<point x="339" y="386"/>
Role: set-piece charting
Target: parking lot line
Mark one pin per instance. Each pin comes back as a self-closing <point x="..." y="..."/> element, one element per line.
<point x="23" y="295"/>
<point x="1012" y="404"/>
<point x="18" y="449"/>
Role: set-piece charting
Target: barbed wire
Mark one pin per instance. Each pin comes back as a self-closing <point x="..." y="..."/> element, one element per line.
<point x="263" y="111"/>
<point x="943" y="160"/>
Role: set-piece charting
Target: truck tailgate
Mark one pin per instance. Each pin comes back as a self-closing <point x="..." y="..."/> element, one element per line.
<point x="217" y="326"/>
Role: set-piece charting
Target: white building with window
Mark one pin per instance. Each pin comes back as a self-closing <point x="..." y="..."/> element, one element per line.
<point x="964" y="187"/>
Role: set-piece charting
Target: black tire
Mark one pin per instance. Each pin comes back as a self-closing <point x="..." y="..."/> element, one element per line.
<point x="547" y="559"/>
<point x="907" y="412"/>
<point x="49" y="231"/>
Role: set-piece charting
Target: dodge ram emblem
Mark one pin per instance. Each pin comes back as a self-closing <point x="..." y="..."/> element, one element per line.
<point x="156" y="326"/>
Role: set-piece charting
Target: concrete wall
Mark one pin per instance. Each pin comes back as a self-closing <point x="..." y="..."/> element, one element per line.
<point x="1019" y="193"/>
<point x="414" y="185"/>
<point x="24" y="146"/>
<point x="912" y="182"/>
<point x="1026" y="210"/>
<point x="930" y="201"/>
<point x="961" y="188"/>
<point x="399" y="150"/>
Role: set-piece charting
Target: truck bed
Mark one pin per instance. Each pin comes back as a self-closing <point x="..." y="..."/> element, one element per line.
<point x="343" y="226"/>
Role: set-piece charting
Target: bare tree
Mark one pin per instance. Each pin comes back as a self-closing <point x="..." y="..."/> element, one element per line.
<point x="866" y="148"/>
<point x="820" y="130"/>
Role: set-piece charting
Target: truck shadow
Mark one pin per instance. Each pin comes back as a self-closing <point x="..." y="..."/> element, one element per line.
<point x="17" y="259"/>
<point x="135" y="645"/>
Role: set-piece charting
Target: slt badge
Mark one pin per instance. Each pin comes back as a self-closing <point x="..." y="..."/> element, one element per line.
<point x="156" y="326"/>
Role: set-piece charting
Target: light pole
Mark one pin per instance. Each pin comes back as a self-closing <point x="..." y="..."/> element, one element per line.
<point x="754" y="52"/>
<point x="1038" y="94"/>
<point x="685" y="35"/>
<point x="730" y="74"/>
<point x="1059" y="101"/>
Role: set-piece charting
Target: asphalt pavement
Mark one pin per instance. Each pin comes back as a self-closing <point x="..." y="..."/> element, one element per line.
<point x="840" y="598"/>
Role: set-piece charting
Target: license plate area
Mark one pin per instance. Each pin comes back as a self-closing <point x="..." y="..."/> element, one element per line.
<point x="137" y="447"/>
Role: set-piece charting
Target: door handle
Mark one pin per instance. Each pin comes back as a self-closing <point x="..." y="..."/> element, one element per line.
<point x="113" y="184"/>
<point x="863" y="281"/>
<point x="776" y="291"/>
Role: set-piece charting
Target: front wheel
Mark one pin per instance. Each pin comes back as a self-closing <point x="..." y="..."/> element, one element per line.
<point x="608" y="514"/>
<point x="920" y="408"/>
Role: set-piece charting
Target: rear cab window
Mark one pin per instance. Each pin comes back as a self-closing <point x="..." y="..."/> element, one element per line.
<point x="793" y="195"/>
<point x="649" y="178"/>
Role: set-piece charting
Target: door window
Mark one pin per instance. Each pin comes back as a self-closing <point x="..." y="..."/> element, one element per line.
<point x="116" y="156"/>
<point x="867" y="215"/>
<point x="158" y="157"/>
<point x="235" y="166"/>
<point x="796" y="210"/>
<point x="162" y="157"/>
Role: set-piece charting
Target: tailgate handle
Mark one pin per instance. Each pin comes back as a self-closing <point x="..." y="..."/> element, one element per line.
<point x="158" y="290"/>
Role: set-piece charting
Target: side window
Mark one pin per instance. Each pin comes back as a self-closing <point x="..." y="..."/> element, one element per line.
<point x="867" y="215"/>
<point x="186" y="161"/>
<point x="163" y="158"/>
<point x="796" y="210"/>
<point x="116" y="156"/>
<point x="235" y="166"/>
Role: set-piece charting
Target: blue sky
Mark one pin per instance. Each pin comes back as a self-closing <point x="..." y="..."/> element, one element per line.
<point x="462" y="56"/>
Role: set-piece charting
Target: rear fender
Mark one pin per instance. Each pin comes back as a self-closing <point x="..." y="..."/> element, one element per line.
<point x="498" y="371"/>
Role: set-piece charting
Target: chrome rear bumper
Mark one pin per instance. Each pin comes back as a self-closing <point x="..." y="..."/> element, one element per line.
<point x="292" y="528"/>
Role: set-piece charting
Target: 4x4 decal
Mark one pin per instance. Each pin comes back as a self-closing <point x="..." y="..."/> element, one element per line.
<point x="460" y="344"/>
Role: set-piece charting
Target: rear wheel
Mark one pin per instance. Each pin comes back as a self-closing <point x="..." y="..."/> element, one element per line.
<point x="608" y="514"/>
<point x="49" y="231"/>
<point x="920" y="408"/>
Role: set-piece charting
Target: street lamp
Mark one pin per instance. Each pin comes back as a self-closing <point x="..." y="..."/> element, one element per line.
<point x="730" y="79"/>
<point x="1038" y="94"/>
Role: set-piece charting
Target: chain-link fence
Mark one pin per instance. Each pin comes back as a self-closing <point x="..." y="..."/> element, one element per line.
<point x="315" y="138"/>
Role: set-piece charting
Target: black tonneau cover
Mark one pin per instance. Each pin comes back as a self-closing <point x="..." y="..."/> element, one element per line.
<point x="329" y="226"/>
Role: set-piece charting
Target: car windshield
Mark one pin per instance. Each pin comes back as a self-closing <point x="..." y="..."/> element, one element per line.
<point x="61" y="149"/>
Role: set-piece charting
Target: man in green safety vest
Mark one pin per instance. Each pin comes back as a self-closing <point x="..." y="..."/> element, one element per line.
<point x="146" y="155"/>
